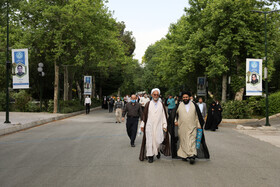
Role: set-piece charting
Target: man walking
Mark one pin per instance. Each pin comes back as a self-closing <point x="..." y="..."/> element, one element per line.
<point x="188" y="120"/>
<point x="87" y="104"/>
<point x="118" y="108"/>
<point x="202" y="107"/>
<point x="154" y="125"/>
<point x="171" y="104"/>
<point x="143" y="101"/>
<point x="111" y="104"/>
<point x="133" y="111"/>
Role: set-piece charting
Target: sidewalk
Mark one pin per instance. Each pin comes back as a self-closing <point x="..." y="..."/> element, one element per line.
<point x="256" y="129"/>
<point x="24" y="120"/>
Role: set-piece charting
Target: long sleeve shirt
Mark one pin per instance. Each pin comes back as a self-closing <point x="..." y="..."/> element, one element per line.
<point x="132" y="110"/>
<point x="87" y="101"/>
<point x="118" y="104"/>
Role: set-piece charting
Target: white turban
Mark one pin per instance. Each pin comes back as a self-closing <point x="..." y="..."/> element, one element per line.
<point x="155" y="89"/>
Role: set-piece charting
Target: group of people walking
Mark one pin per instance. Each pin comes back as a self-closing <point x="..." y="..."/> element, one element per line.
<point x="184" y="122"/>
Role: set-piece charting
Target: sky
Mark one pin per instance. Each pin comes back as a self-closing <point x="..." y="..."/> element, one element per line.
<point x="149" y="20"/>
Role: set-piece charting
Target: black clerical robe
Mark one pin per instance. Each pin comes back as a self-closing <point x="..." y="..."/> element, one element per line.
<point x="202" y="152"/>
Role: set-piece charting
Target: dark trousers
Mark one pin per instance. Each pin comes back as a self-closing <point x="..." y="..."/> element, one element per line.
<point x="87" y="108"/>
<point x="169" y="111"/>
<point x="131" y="128"/>
<point x="111" y="108"/>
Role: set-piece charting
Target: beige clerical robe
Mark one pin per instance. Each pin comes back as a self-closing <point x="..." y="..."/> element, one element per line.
<point x="187" y="130"/>
<point x="154" y="128"/>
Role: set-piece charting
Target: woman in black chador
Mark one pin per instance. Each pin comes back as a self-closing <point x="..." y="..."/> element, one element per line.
<point x="214" y="116"/>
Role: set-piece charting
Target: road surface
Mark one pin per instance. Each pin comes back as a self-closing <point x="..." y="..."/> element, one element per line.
<point x="92" y="150"/>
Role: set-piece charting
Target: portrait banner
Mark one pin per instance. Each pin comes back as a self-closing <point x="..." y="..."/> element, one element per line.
<point x="201" y="86"/>
<point x="87" y="85"/>
<point x="253" y="77"/>
<point x="20" y="68"/>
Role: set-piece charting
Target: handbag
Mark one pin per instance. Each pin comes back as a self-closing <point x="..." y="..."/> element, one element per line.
<point x="198" y="138"/>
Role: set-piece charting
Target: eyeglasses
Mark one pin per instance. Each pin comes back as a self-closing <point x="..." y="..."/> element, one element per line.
<point x="155" y="94"/>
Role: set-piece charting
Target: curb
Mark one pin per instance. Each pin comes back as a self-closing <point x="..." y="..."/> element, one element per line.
<point x="19" y="127"/>
<point x="262" y="128"/>
<point x="238" y="121"/>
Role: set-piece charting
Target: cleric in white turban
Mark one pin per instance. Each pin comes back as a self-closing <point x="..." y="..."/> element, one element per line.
<point x="153" y="125"/>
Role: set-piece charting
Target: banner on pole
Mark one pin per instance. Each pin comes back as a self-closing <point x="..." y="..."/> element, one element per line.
<point x="21" y="70"/>
<point x="87" y="85"/>
<point x="253" y="77"/>
<point x="201" y="86"/>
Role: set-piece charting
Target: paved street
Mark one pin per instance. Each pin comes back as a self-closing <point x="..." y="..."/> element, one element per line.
<point x="92" y="150"/>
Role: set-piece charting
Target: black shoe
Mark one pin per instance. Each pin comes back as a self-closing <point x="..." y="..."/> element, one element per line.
<point x="151" y="159"/>
<point x="116" y="122"/>
<point x="192" y="160"/>
<point x="158" y="156"/>
<point x="133" y="145"/>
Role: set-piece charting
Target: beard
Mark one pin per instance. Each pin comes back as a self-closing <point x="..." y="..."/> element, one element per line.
<point x="155" y="99"/>
<point x="186" y="102"/>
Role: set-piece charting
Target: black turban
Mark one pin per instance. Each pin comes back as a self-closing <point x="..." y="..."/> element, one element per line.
<point x="187" y="93"/>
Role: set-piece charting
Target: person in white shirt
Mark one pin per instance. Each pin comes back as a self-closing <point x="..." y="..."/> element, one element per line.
<point x="143" y="101"/>
<point x="202" y="107"/>
<point x="87" y="104"/>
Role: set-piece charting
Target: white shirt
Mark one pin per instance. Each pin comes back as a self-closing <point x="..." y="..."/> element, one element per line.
<point x="187" y="106"/>
<point x="87" y="100"/>
<point x="200" y="107"/>
<point x="143" y="101"/>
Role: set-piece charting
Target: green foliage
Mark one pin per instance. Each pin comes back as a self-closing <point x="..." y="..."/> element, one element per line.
<point x="212" y="39"/>
<point x="70" y="106"/>
<point x="236" y="110"/>
<point x="273" y="102"/>
<point x="21" y="100"/>
<point x="33" y="107"/>
<point x="50" y="105"/>
<point x="95" y="102"/>
<point x="256" y="105"/>
<point x="2" y="101"/>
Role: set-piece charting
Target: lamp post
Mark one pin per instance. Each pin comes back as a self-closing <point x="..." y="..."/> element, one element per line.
<point x="7" y="70"/>
<point x="41" y="75"/>
<point x="265" y="69"/>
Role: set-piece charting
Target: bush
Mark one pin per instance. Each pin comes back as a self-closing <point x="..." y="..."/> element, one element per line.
<point x="256" y="105"/>
<point x="2" y="101"/>
<point x="70" y="106"/>
<point x="95" y="102"/>
<point x="273" y="102"/>
<point x="21" y="100"/>
<point x="236" y="110"/>
<point x="50" y="106"/>
<point x="33" y="107"/>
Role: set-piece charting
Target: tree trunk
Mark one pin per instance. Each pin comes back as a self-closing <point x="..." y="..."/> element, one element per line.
<point x="119" y="92"/>
<point x="239" y="95"/>
<point x="70" y="84"/>
<point x="79" y="90"/>
<point x="224" y="88"/>
<point x="66" y="84"/>
<point x="100" y="91"/>
<point x="93" y="87"/>
<point x="56" y="82"/>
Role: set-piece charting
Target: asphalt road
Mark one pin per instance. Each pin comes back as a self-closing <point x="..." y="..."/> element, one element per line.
<point x="92" y="150"/>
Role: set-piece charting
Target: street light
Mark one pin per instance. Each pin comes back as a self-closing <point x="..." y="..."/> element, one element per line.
<point x="41" y="74"/>
<point x="7" y="70"/>
<point x="265" y="69"/>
